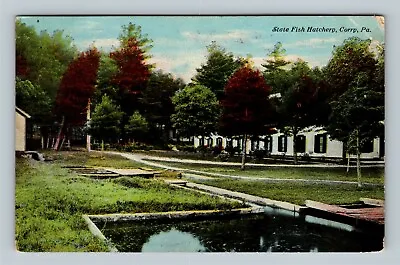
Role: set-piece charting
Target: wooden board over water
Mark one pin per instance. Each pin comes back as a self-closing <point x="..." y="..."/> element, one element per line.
<point x="131" y="172"/>
<point x="374" y="214"/>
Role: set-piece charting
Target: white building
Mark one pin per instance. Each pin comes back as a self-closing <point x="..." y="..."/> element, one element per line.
<point x="20" y="129"/>
<point x="314" y="142"/>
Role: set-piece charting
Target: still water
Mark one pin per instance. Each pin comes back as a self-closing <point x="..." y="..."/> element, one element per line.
<point x="256" y="233"/>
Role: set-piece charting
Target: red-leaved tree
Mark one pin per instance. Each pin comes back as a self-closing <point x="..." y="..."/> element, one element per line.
<point x="245" y="106"/>
<point x="133" y="73"/>
<point x="76" y="88"/>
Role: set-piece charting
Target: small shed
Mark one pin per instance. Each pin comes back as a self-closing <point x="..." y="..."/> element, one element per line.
<point x="20" y="129"/>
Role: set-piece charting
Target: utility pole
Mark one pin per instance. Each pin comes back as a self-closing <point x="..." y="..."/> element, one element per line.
<point x="87" y="122"/>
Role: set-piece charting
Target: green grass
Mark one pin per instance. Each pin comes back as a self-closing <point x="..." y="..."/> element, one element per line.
<point x="297" y="193"/>
<point x="50" y="201"/>
<point x="91" y="159"/>
<point x="369" y="175"/>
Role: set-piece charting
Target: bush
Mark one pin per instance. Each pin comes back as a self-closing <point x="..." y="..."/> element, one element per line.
<point x="216" y="150"/>
<point x="223" y="156"/>
<point x="232" y="150"/>
<point x="305" y="157"/>
<point x="186" y="148"/>
<point x="259" y="154"/>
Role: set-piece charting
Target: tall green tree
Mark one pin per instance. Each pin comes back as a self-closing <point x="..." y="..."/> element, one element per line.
<point x="354" y="64"/>
<point x="105" y="121"/>
<point x="137" y="127"/>
<point x="303" y="103"/>
<point x="276" y="69"/>
<point x="219" y="67"/>
<point x="41" y="58"/>
<point x="157" y="103"/>
<point x="348" y="60"/>
<point x="133" y="69"/>
<point x="104" y="84"/>
<point x="245" y="107"/>
<point x="196" y="111"/>
<point x="357" y="118"/>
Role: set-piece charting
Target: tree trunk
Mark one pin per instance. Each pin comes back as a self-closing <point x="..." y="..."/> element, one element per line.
<point x="244" y="152"/>
<point x="55" y="147"/>
<point x="348" y="163"/>
<point x="358" y="159"/>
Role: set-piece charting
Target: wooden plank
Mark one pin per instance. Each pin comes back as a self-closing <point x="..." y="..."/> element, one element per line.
<point x="375" y="214"/>
<point x="374" y="202"/>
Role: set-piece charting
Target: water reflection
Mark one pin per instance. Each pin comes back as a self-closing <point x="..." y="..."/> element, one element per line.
<point x="260" y="233"/>
<point x="173" y="241"/>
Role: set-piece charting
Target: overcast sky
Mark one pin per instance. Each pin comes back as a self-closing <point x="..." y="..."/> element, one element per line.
<point x="180" y="42"/>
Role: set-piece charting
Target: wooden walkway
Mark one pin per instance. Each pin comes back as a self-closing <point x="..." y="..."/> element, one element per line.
<point x="374" y="214"/>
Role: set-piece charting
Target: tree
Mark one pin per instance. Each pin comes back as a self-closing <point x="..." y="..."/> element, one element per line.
<point x="41" y="59"/>
<point x="217" y="70"/>
<point x="354" y="56"/>
<point x="157" y="103"/>
<point x="107" y="70"/>
<point x="137" y="126"/>
<point x="357" y="118"/>
<point x="196" y="111"/>
<point x="276" y="69"/>
<point x="76" y="88"/>
<point x="132" y="76"/>
<point x="132" y="31"/>
<point x="245" y="107"/>
<point x="304" y="102"/>
<point x="33" y="98"/>
<point x="354" y="64"/>
<point x="105" y="121"/>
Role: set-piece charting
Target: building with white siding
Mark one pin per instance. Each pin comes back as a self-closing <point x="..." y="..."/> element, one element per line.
<point x="315" y="142"/>
<point x="20" y="129"/>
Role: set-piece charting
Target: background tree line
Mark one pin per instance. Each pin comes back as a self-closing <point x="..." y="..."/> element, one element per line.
<point x="131" y="101"/>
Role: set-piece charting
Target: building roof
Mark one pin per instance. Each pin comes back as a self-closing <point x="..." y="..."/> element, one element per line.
<point x="23" y="113"/>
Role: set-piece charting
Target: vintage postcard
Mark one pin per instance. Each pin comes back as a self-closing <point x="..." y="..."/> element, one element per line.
<point x="200" y="133"/>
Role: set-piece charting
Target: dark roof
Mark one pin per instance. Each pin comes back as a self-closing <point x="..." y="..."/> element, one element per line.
<point x="23" y="113"/>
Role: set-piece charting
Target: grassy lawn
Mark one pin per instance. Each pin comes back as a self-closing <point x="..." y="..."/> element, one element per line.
<point x="299" y="192"/>
<point x="369" y="175"/>
<point x="50" y="201"/>
<point x="98" y="159"/>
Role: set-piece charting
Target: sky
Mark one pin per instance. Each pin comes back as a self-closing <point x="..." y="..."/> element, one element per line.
<point x="180" y="41"/>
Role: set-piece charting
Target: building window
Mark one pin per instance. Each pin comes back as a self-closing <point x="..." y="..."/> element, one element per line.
<point x="268" y="143"/>
<point x="210" y="142"/>
<point x="367" y="147"/>
<point x="229" y="142"/>
<point x="238" y="142"/>
<point x="300" y="143"/>
<point x="219" y="142"/>
<point x="282" y="143"/>
<point x="320" y="143"/>
<point x="201" y="141"/>
<point x="255" y="144"/>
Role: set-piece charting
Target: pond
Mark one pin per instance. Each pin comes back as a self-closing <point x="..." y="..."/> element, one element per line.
<point x="255" y="233"/>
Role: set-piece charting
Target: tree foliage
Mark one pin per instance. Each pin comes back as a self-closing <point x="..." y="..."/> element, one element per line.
<point x="304" y="102"/>
<point x="196" y="111"/>
<point x="348" y="60"/>
<point x="42" y="59"/>
<point x="246" y="108"/>
<point x="219" y="67"/>
<point x="33" y="99"/>
<point x="137" y="126"/>
<point x="77" y="87"/>
<point x="105" y="121"/>
<point x="276" y="67"/>
<point x="157" y="103"/>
